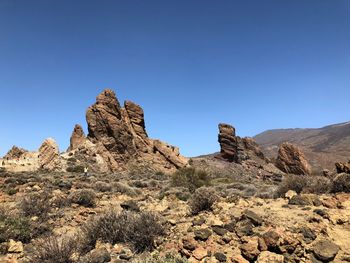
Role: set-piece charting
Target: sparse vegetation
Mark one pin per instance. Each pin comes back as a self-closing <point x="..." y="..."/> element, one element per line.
<point x="190" y="178"/>
<point x="203" y="199"/>
<point x="137" y="229"/>
<point x="54" y="249"/>
<point x="14" y="226"/>
<point x="341" y="183"/>
<point x="83" y="197"/>
<point x="36" y="204"/>
<point x="156" y="258"/>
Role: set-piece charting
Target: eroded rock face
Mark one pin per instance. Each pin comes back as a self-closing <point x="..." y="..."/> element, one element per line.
<point x="120" y="135"/>
<point x="291" y="160"/>
<point x="236" y="149"/>
<point x="49" y="155"/>
<point x="15" y="153"/>
<point x="343" y="167"/>
<point x="228" y="142"/>
<point x="77" y="138"/>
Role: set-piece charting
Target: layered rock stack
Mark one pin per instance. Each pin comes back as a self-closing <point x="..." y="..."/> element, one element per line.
<point x="292" y="160"/>
<point x="49" y="155"/>
<point x="236" y="149"/>
<point x="228" y="142"/>
<point x="15" y="153"/>
<point x="120" y="135"/>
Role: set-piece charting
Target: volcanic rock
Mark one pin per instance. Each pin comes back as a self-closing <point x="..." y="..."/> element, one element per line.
<point x="325" y="250"/>
<point x="343" y="167"/>
<point x="291" y="160"/>
<point x="121" y="138"/>
<point x="49" y="155"/>
<point x="228" y="142"/>
<point x="15" y="153"/>
<point x="77" y="138"/>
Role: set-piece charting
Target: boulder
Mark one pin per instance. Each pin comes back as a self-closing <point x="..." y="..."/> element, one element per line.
<point x="325" y="250"/>
<point x="49" y="155"/>
<point x="77" y="138"/>
<point x="291" y="160"/>
<point x="343" y="167"/>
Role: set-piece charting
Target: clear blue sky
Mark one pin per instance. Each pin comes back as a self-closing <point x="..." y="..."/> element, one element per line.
<point x="190" y="64"/>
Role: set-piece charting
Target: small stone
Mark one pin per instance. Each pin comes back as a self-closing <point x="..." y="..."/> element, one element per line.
<point x="219" y="230"/>
<point x="198" y="221"/>
<point x="271" y="239"/>
<point x="250" y="249"/>
<point x="220" y="256"/>
<point x="189" y="243"/>
<point x="200" y="253"/>
<point x="244" y="228"/>
<point x="325" y="250"/>
<point x="130" y="205"/>
<point x="202" y="234"/>
<point x="290" y="194"/>
<point x="15" y="247"/>
<point x="269" y="257"/>
<point x="253" y="217"/>
<point x="308" y="234"/>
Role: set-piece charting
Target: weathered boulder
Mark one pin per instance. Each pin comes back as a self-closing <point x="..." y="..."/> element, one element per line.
<point x="251" y="145"/>
<point x="343" y="167"/>
<point x="77" y="138"/>
<point x="228" y="142"/>
<point x="325" y="250"/>
<point x="15" y="153"/>
<point x="291" y="160"/>
<point x="49" y="155"/>
<point x="270" y="257"/>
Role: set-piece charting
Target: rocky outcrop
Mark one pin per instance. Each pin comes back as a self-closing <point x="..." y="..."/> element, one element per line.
<point x="228" y="142"/>
<point x="77" y="138"/>
<point x="236" y="149"/>
<point x="291" y="160"/>
<point x="49" y="155"/>
<point x="15" y="153"/>
<point x="343" y="167"/>
<point x="120" y="135"/>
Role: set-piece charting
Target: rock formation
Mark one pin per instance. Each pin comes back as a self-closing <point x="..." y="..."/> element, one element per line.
<point x="343" y="167"/>
<point x="49" y="155"/>
<point x="15" y="153"/>
<point x="291" y="159"/>
<point x="228" y="142"/>
<point x="120" y="135"/>
<point x="77" y="138"/>
<point x="236" y="149"/>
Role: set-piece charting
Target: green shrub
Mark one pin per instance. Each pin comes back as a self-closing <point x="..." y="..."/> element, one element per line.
<point x="14" y="227"/>
<point x="190" y="178"/>
<point x="83" y="197"/>
<point x="137" y="229"/>
<point x="203" y="199"/>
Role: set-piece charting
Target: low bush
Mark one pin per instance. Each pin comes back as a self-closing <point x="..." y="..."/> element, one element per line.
<point x="102" y="186"/>
<point x="156" y="258"/>
<point x="303" y="184"/>
<point x="203" y="199"/>
<point x="75" y="169"/>
<point x="190" y="178"/>
<point x="125" y="189"/>
<point x="36" y="204"/>
<point x="137" y="229"/>
<point x="341" y="183"/>
<point x="83" y="197"/>
<point x="14" y="227"/>
<point x="54" y="249"/>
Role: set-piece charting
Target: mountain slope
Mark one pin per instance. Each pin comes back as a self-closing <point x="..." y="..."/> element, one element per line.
<point x="323" y="146"/>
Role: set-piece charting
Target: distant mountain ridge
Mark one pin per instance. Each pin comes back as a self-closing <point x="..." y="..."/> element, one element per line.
<point x="322" y="146"/>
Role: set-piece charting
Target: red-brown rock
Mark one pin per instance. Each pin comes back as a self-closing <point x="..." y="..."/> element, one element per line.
<point x="77" y="138"/>
<point x="291" y="160"/>
<point x="228" y="142"/>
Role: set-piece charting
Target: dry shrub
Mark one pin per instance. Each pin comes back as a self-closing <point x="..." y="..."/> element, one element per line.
<point x="137" y="229"/>
<point x="14" y="226"/>
<point x="303" y="184"/>
<point x="125" y="189"/>
<point x="341" y="183"/>
<point x="54" y="249"/>
<point x="36" y="204"/>
<point x="156" y="258"/>
<point x="203" y="199"/>
<point x="190" y="178"/>
<point x="83" y="197"/>
<point x="102" y="186"/>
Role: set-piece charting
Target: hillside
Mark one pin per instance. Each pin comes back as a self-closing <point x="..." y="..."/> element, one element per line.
<point x="322" y="146"/>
